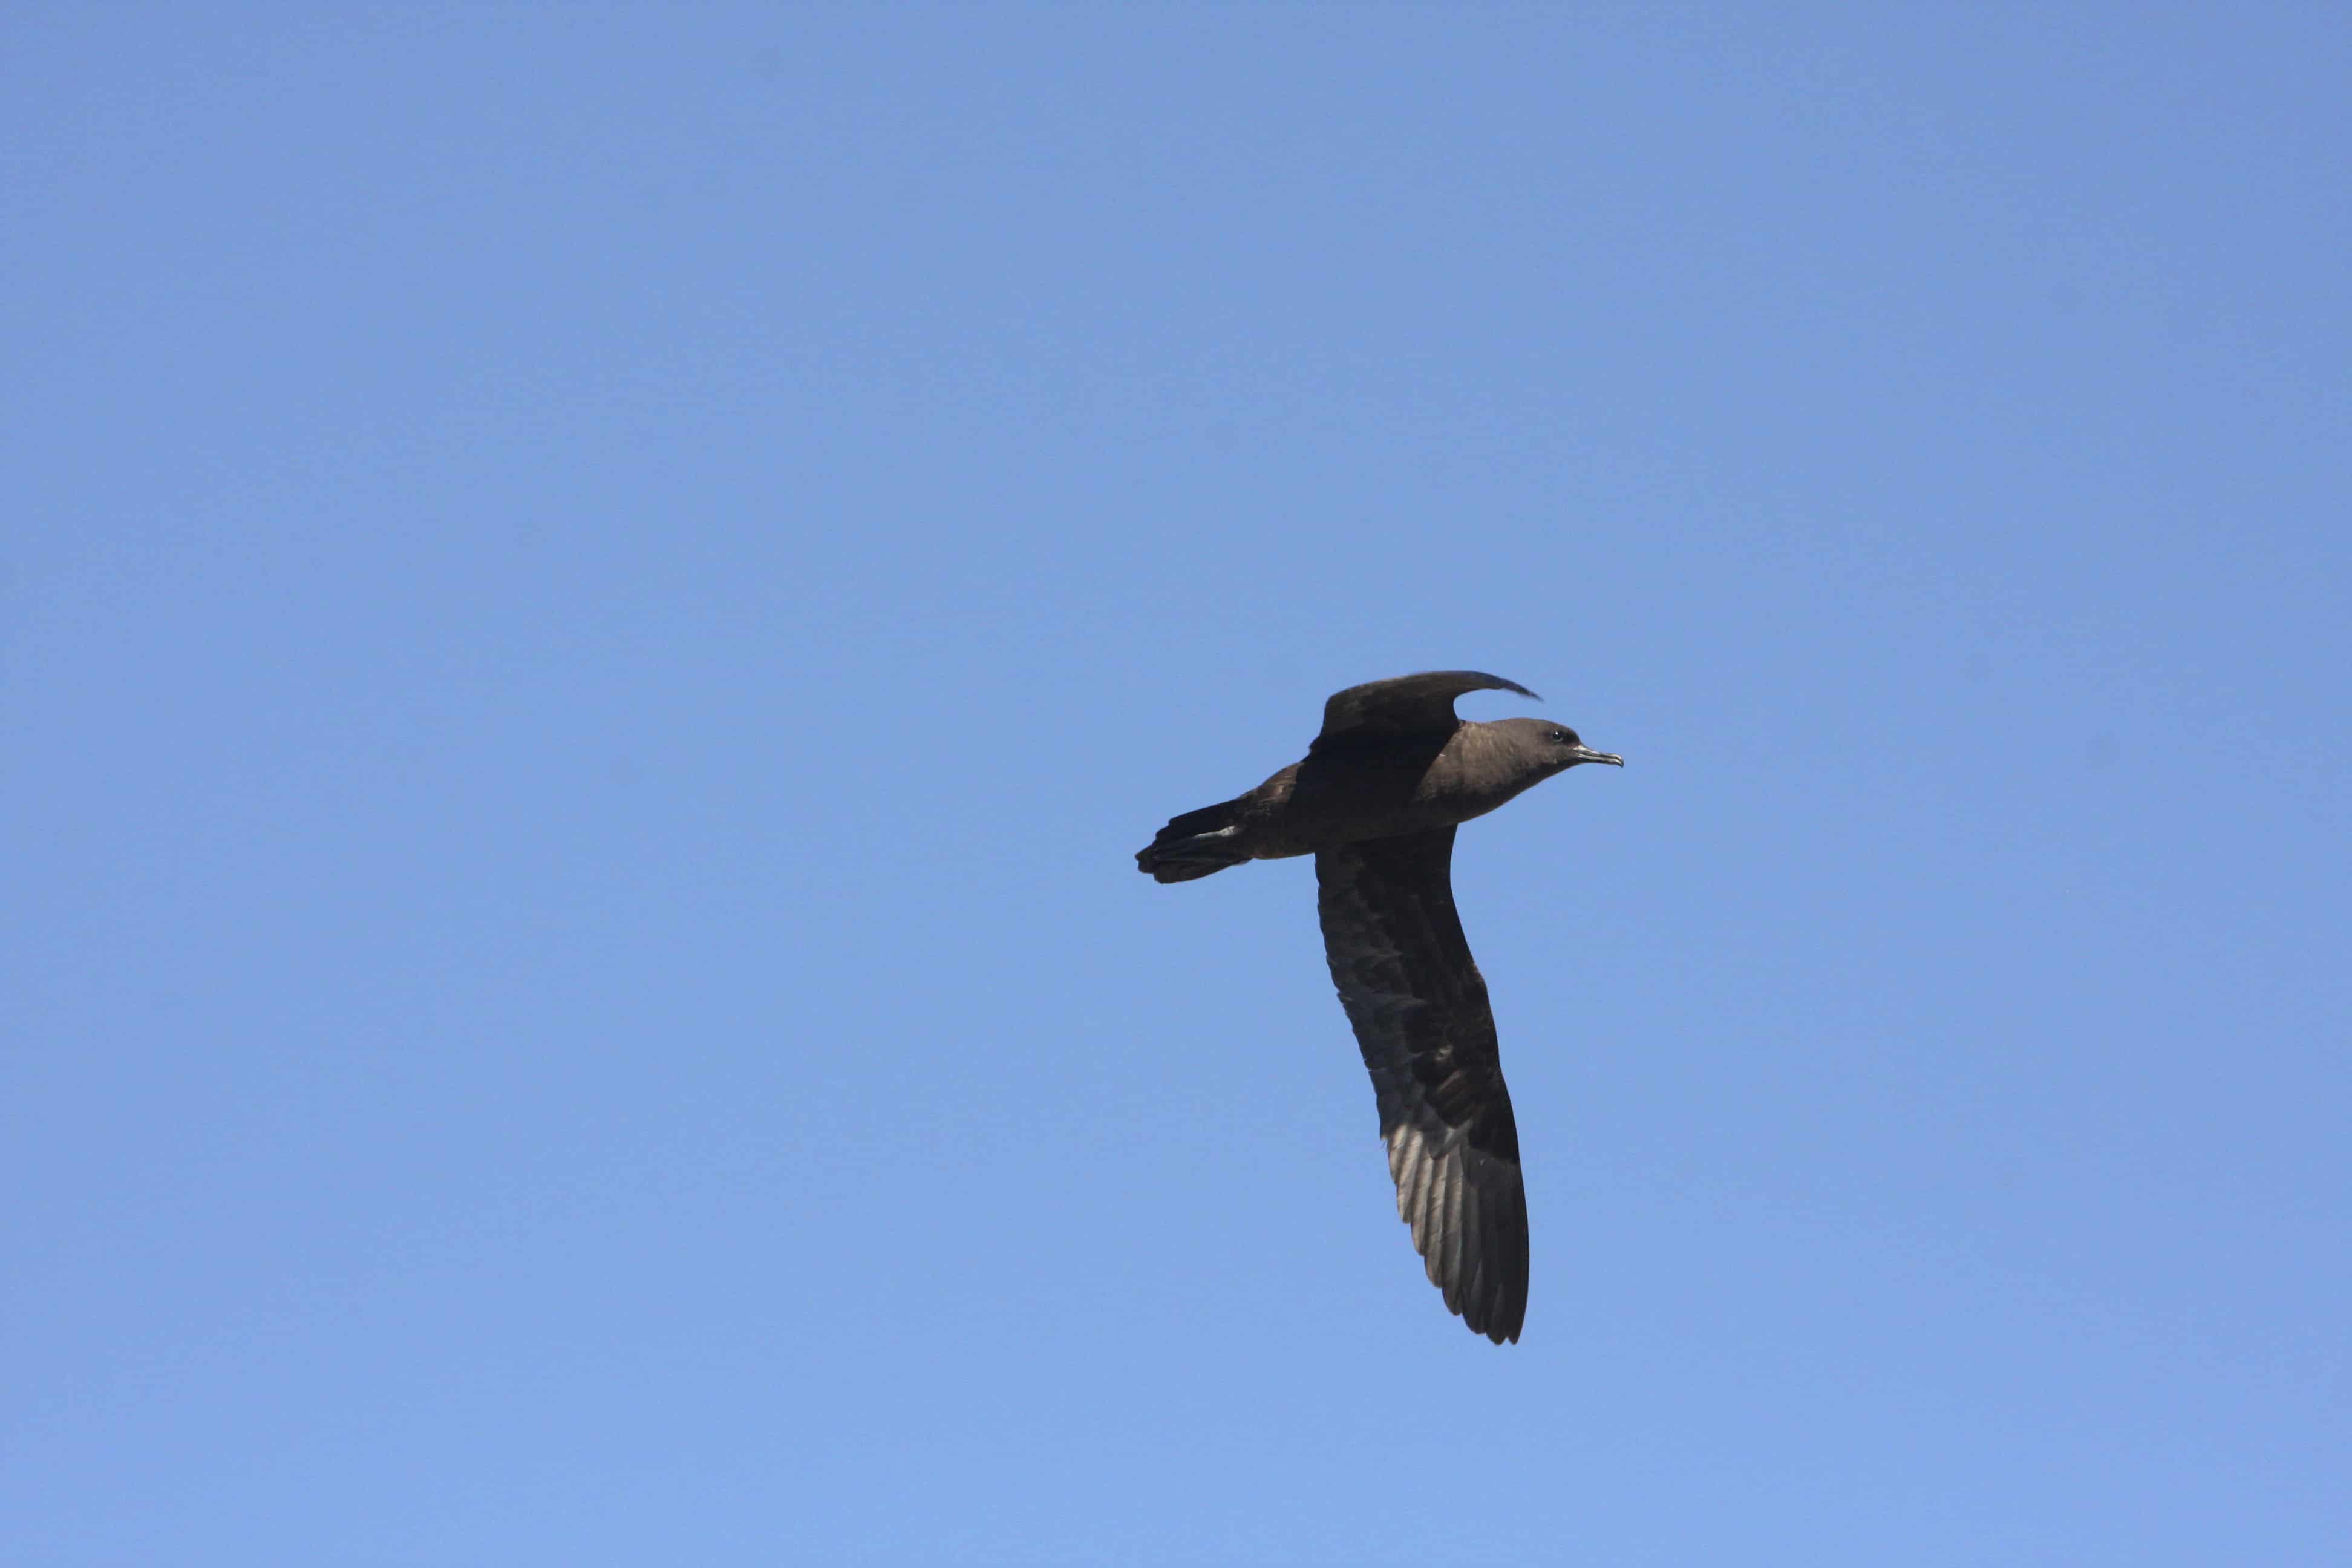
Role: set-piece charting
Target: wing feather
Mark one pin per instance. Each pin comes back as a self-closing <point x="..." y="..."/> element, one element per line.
<point x="1405" y="705"/>
<point x="1419" y="1007"/>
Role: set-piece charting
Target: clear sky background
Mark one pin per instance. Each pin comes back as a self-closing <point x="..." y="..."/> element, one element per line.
<point x="597" y="601"/>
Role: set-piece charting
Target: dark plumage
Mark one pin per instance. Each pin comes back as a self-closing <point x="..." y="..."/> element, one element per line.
<point x="1376" y="800"/>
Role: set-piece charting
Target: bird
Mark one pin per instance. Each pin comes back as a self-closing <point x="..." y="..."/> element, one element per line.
<point x="1376" y="800"/>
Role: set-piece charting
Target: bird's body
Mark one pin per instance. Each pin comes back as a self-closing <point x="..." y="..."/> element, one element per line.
<point x="1378" y="787"/>
<point x="1376" y="800"/>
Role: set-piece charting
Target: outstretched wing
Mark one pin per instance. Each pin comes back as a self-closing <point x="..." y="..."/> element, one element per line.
<point x="1419" y="1007"/>
<point x="1407" y="705"/>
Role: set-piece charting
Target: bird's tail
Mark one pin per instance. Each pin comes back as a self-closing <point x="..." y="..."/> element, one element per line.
<point x="1195" y="844"/>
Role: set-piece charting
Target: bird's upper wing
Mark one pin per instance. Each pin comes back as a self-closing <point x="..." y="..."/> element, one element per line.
<point x="1409" y="704"/>
<point x="1419" y="1007"/>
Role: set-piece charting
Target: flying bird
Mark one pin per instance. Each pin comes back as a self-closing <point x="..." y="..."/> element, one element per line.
<point x="1376" y="800"/>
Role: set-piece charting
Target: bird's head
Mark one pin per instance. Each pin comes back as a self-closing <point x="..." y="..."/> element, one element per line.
<point x="1554" y="748"/>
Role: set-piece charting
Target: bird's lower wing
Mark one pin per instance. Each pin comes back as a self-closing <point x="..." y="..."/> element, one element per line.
<point x="1419" y="1007"/>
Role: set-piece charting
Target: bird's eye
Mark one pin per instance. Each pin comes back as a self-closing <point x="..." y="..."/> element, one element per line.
<point x="1563" y="737"/>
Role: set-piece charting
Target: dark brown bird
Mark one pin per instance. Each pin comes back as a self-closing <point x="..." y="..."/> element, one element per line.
<point x="1376" y="802"/>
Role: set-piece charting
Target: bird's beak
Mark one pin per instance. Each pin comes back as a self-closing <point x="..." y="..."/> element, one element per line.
<point x="1587" y="754"/>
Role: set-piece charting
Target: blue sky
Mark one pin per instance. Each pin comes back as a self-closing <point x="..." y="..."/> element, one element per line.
<point x="595" y="601"/>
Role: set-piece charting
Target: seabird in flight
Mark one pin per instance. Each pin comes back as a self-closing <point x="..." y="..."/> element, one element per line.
<point x="1376" y="800"/>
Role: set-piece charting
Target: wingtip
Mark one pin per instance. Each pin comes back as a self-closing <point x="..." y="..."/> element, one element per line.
<point x="1471" y="1232"/>
<point x="1496" y="1324"/>
<point x="1500" y="683"/>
